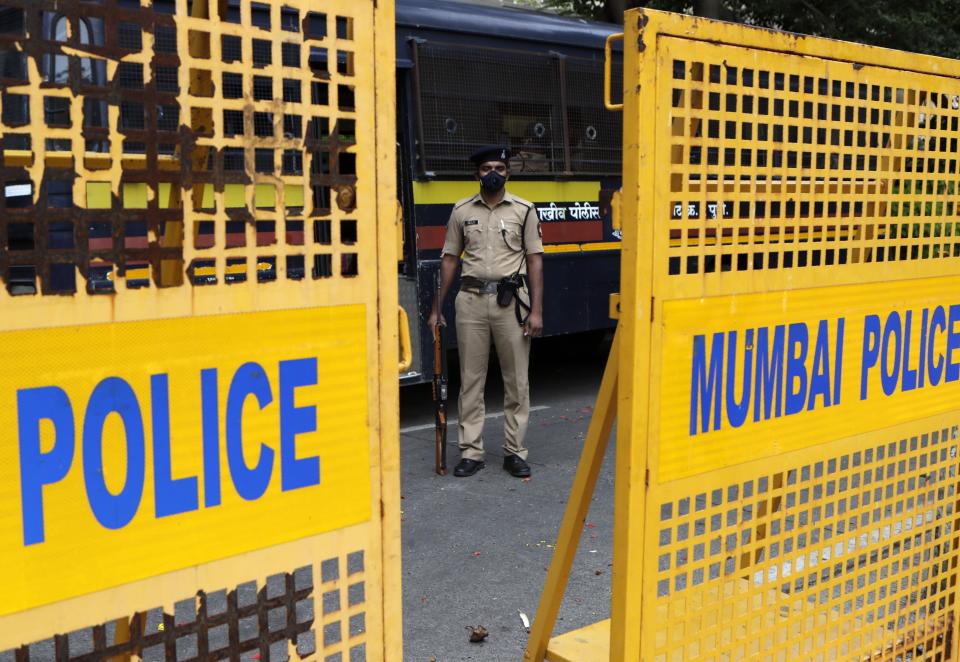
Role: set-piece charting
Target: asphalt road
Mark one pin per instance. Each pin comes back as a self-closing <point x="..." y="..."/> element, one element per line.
<point x="476" y="550"/>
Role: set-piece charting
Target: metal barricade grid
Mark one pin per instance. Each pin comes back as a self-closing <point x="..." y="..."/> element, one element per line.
<point x="817" y="163"/>
<point x="844" y="555"/>
<point x="853" y="164"/>
<point x="199" y="184"/>
<point x="275" y="620"/>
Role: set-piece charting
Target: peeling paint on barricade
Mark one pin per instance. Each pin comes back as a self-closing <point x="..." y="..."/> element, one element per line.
<point x="76" y="111"/>
<point x="131" y="123"/>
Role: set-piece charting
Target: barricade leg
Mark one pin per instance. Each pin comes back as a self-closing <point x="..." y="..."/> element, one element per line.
<point x="584" y="483"/>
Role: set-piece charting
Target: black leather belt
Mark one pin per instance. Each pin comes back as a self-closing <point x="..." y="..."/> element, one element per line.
<point x="478" y="285"/>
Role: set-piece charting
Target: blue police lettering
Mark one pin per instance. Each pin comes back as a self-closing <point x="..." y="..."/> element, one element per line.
<point x="870" y="351"/>
<point x="171" y="496"/>
<point x="251" y="482"/>
<point x="737" y="411"/>
<point x="769" y="374"/>
<point x="797" y="343"/>
<point x="777" y="377"/>
<point x="249" y="391"/>
<point x="820" y="375"/>
<point x="209" y="406"/>
<point x="910" y="377"/>
<point x="888" y="344"/>
<point x="953" y="343"/>
<point x="36" y="467"/>
<point x="706" y="383"/>
<point x="304" y="472"/>
<point x="938" y="320"/>
<point x="113" y="396"/>
<point x="892" y="337"/>
<point x="922" y="363"/>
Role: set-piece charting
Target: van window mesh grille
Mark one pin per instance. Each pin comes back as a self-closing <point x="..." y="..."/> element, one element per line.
<point x="514" y="98"/>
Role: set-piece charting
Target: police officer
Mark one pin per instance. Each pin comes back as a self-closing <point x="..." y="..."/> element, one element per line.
<point x="498" y="235"/>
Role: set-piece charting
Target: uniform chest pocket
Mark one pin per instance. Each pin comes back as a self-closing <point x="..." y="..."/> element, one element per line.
<point x="472" y="235"/>
<point x="512" y="233"/>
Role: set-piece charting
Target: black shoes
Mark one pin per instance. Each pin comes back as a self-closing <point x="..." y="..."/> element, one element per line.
<point x="513" y="464"/>
<point x="516" y="466"/>
<point x="467" y="467"/>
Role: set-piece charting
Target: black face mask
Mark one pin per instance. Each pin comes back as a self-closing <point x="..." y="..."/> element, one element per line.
<point x="493" y="181"/>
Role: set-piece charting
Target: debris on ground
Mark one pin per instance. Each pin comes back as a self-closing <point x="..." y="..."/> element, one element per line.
<point x="525" y="620"/>
<point x="477" y="633"/>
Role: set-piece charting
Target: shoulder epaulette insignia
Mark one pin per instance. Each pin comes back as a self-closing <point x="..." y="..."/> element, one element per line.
<point x="523" y="203"/>
<point x="463" y="202"/>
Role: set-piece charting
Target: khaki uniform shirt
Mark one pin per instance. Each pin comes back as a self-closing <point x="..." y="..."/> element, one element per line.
<point x="490" y="239"/>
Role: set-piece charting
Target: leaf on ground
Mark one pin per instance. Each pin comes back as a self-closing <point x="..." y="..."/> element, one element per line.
<point x="477" y="633"/>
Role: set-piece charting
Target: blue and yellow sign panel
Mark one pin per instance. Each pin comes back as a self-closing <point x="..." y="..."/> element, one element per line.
<point x="812" y="366"/>
<point x="144" y="447"/>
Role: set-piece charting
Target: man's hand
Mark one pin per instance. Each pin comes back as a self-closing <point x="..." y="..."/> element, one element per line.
<point x="534" y="325"/>
<point x="435" y="319"/>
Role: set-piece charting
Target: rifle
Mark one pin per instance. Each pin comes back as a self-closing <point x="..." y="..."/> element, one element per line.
<point x="440" y="391"/>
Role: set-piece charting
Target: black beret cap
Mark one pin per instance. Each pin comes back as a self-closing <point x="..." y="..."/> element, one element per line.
<point x="491" y="153"/>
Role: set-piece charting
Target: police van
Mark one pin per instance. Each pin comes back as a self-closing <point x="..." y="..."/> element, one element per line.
<point x="470" y="74"/>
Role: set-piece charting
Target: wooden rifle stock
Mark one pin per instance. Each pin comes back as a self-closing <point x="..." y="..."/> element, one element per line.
<point x="440" y="399"/>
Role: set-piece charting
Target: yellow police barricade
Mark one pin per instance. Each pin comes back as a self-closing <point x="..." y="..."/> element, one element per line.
<point x="198" y="331"/>
<point x="785" y="375"/>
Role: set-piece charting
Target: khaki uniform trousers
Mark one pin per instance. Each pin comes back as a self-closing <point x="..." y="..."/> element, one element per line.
<point x="478" y="318"/>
